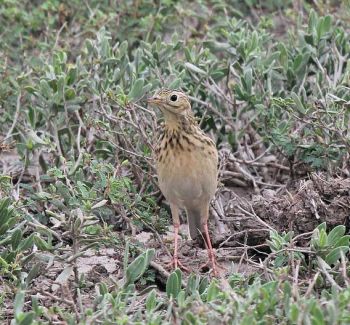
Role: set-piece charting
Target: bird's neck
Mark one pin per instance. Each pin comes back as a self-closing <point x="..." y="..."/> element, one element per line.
<point x="179" y="122"/>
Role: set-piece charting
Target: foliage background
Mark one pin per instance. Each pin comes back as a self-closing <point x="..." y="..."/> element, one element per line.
<point x="269" y="81"/>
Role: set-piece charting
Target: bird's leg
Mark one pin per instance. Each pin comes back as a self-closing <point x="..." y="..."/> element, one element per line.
<point x="176" y="235"/>
<point x="210" y="250"/>
<point x="175" y="261"/>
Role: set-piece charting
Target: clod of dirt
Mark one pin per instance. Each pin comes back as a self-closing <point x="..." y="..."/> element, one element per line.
<point x="301" y="209"/>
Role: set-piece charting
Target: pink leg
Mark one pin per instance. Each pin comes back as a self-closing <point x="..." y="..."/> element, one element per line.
<point x="176" y="220"/>
<point x="176" y="235"/>
<point x="209" y="247"/>
<point x="176" y="262"/>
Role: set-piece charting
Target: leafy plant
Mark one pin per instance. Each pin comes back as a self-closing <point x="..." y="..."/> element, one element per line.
<point x="76" y="154"/>
<point x="332" y="246"/>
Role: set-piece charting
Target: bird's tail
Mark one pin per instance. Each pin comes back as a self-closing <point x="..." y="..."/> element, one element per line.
<point x="195" y="220"/>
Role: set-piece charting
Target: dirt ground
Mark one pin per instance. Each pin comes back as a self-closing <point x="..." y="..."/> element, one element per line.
<point x="246" y="222"/>
<point x="241" y="220"/>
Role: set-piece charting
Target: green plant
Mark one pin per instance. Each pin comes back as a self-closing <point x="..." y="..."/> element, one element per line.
<point x="332" y="246"/>
<point x="76" y="143"/>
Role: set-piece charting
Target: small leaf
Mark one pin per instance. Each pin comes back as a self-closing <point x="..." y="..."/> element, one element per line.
<point x="30" y="89"/>
<point x="133" y="271"/>
<point x="89" y="46"/>
<point x="4" y="228"/>
<point x="297" y="62"/>
<point x="71" y="76"/>
<point x="175" y="84"/>
<point x="335" y="234"/>
<point x="192" y="284"/>
<point x="188" y="54"/>
<point x="103" y="289"/>
<point x="283" y="55"/>
<point x="294" y="313"/>
<point x="16" y="238"/>
<point x="323" y="239"/>
<point x="26" y="243"/>
<point x="343" y="241"/>
<point x="63" y="190"/>
<point x="321" y="226"/>
<point x="136" y="90"/>
<point x="41" y="243"/>
<point x="69" y="94"/>
<point x="5" y="211"/>
<point x="326" y="24"/>
<point x="99" y="204"/>
<point x="149" y="255"/>
<point x="194" y="68"/>
<point x="248" y="77"/>
<point x="62" y="277"/>
<point x="45" y="89"/>
<point x="213" y="291"/>
<point x="173" y="285"/>
<point x="298" y="103"/>
<point x="33" y="273"/>
<point x="123" y="48"/>
<point x="313" y="19"/>
<point x="190" y="318"/>
<point x="19" y="302"/>
<point x="203" y="285"/>
<point x="151" y="301"/>
<point x="179" y="276"/>
<point x="60" y="87"/>
<point x="27" y="319"/>
<point x="138" y="267"/>
<point x="181" y="299"/>
<point x="334" y="255"/>
<point x="323" y="27"/>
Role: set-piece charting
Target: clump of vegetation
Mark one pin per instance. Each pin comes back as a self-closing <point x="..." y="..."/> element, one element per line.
<point x="76" y="158"/>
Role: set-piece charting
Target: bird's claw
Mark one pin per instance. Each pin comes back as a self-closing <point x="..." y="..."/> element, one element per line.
<point x="213" y="268"/>
<point x="176" y="263"/>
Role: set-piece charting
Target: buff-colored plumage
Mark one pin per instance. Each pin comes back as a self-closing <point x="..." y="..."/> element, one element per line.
<point x="186" y="165"/>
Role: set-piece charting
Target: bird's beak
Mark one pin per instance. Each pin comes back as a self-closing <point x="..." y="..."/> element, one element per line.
<point x="153" y="100"/>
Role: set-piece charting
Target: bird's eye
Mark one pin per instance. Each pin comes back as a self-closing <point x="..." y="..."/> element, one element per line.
<point x="173" y="98"/>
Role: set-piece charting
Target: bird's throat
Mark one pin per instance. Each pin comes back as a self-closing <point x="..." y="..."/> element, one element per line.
<point x="179" y="121"/>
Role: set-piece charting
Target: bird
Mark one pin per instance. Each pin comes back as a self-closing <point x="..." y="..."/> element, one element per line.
<point x="186" y="164"/>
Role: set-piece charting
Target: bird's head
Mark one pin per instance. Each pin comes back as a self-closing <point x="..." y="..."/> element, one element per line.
<point x="172" y="103"/>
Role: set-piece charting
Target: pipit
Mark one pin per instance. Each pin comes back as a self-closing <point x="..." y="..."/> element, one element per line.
<point x="186" y="163"/>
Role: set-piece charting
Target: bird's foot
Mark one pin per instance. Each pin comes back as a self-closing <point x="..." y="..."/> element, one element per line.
<point x="211" y="265"/>
<point x="176" y="263"/>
